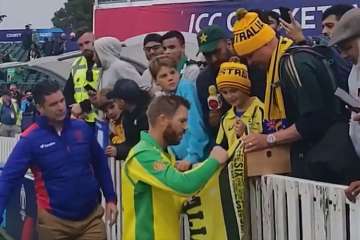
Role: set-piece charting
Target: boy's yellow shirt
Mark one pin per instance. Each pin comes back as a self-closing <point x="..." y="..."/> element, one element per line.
<point x="252" y="117"/>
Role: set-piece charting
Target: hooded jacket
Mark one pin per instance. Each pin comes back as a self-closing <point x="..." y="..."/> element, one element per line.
<point x="108" y="50"/>
<point x="194" y="145"/>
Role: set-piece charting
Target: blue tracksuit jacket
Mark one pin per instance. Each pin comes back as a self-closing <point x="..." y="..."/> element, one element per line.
<point x="69" y="169"/>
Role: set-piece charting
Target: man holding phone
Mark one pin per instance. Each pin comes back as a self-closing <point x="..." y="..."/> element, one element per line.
<point x="291" y="26"/>
<point x="83" y="81"/>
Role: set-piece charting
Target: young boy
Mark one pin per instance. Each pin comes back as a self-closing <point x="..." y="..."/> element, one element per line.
<point x="126" y="109"/>
<point x="194" y="145"/>
<point x="112" y="111"/>
<point x="246" y="114"/>
<point x="223" y="202"/>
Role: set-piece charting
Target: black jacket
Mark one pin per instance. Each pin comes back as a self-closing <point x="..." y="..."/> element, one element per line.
<point x="133" y="123"/>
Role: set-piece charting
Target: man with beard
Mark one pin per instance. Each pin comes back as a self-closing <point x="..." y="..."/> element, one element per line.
<point x="217" y="49"/>
<point x="84" y="76"/>
<point x="153" y="186"/>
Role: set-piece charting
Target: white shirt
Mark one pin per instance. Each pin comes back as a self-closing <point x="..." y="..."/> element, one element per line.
<point x="354" y="89"/>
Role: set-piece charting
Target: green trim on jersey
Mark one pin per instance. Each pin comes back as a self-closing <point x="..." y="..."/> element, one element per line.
<point x="154" y="188"/>
<point x="143" y="211"/>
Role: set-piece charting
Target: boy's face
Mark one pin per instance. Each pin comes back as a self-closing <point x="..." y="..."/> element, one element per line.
<point x="113" y="110"/>
<point x="167" y="78"/>
<point x="234" y="96"/>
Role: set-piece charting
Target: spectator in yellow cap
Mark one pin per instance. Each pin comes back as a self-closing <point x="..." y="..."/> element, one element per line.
<point x="246" y="113"/>
<point x="244" y="116"/>
<point x="302" y="84"/>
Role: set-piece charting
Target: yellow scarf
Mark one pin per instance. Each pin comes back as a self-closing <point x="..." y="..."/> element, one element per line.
<point x="274" y="102"/>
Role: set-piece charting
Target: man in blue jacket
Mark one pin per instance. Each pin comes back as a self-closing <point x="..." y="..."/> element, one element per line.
<point x="69" y="169"/>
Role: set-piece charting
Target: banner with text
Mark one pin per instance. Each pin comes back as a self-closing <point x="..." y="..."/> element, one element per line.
<point x="126" y="22"/>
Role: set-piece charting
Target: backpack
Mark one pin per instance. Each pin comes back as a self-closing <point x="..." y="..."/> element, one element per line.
<point x="13" y="109"/>
<point x="338" y="69"/>
<point x="28" y="117"/>
<point x="333" y="155"/>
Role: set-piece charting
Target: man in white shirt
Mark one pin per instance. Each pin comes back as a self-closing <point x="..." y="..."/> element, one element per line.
<point x="346" y="36"/>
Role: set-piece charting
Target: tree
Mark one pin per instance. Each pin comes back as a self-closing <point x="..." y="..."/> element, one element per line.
<point x="76" y="15"/>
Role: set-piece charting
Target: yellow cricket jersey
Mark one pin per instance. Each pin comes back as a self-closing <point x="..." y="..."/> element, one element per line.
<point x="252" y="117"/>
<point x="153" y="191"/>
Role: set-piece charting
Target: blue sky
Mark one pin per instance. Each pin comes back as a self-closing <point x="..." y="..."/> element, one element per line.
<point x="21" y="12"/>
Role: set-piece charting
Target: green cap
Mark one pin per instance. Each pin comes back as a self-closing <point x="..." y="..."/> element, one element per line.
<point x="209" y="37"/>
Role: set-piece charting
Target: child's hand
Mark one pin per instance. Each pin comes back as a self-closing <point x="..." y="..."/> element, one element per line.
<point x="111" y="151"/>
<point x="214" y="117"/>
<point x="239" y="127"/>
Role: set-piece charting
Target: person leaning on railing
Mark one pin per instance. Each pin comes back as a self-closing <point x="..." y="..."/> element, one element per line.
<point x="299" y="89"/>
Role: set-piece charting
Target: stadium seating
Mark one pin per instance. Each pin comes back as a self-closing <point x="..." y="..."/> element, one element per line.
<point x="24" y="78"/>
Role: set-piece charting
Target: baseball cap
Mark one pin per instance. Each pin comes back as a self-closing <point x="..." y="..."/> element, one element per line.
<point x="126" y="90"/>
<point x="347" y="28"/>
<point x="209" y="37"/>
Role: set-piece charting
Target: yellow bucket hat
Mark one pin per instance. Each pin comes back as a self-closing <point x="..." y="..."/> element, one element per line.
<point x="250" y="33"/>
<point x="232" y="74"/>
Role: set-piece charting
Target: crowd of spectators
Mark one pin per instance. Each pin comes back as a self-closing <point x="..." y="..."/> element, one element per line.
<point x="17" y="110"/>
<point x="50" y="46"/>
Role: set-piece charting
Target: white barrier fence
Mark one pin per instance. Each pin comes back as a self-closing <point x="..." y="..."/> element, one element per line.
<point x="290" y="208"/>
<point x="6" y="146"/>
<point x="281" y="207"/>
<point x="114" y="232"/>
